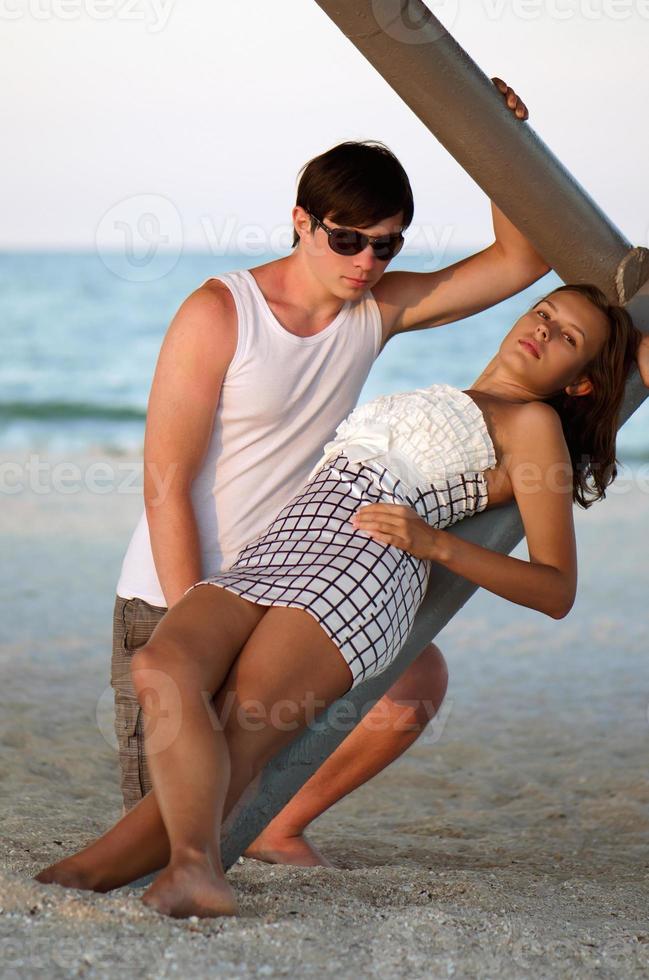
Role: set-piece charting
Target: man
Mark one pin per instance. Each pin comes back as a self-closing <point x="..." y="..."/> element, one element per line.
<point x="255" y="372"/>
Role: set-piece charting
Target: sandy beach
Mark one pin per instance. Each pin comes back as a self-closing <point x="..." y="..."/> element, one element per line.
<point x="511" y="841"/>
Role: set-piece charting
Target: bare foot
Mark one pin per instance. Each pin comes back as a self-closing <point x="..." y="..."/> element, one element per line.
<point x="278" y="849"/>
<point x="191" y="887"/>
<point x="69" y="874"/>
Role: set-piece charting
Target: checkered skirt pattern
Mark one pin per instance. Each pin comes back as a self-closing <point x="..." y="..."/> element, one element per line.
<point x="364" y="594"/>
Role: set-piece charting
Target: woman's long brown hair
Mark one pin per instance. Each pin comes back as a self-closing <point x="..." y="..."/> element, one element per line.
<point x="590" y="422"/>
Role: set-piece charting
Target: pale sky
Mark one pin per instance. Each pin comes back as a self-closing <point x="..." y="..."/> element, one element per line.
<point x="212" y="107"/>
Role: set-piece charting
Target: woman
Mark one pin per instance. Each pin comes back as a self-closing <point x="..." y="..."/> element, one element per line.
<point x="326" y="596"/>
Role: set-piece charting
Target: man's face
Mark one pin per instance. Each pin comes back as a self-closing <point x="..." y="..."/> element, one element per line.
<point x="345" y="276"/>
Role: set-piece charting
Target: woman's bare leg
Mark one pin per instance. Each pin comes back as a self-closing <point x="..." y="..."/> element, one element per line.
<point x="213" y="620"/>
<point x="175" y="676"/>
<point x="288" y="670"/>
<point x="273" y="672"/>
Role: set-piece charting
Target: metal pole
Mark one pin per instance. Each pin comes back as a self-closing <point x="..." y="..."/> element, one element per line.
<point x="460" y="106"/>
<point x="456" y="101"/>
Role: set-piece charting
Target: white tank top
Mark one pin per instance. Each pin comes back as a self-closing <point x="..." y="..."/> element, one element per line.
<point x="281" y="400"/>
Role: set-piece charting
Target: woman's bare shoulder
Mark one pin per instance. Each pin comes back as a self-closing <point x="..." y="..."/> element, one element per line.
<point x="538" y="416"/>
<point x="512" y="424"/>
<point x="535" y="429"/>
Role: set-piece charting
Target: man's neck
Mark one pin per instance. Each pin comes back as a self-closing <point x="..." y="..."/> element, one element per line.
<point x="299" y="301"/>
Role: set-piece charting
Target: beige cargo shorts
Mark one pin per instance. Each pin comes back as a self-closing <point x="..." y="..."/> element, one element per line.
<point x="134" y="620"/>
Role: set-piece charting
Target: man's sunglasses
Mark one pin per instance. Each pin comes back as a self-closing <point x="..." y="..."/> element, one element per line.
<point x="346" y="241"/>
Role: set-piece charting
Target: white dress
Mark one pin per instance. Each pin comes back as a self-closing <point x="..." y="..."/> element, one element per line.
<point x="428" y="449"/>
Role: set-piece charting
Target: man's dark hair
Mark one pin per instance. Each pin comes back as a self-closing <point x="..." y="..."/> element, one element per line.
<point x="356" y="184"/>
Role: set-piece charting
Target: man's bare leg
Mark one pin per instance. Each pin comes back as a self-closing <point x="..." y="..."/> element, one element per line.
<point x="386" y="731"/>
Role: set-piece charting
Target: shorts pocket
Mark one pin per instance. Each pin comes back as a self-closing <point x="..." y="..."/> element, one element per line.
<point x="135" y="779"/>
<point x="134" y="622"/>
<point x="139" y="621"/>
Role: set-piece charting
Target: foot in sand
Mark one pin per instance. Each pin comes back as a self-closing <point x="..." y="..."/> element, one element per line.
<point x="282" y="849"/>
<point x="189" y="886"/>
<point x="68" y="873"/>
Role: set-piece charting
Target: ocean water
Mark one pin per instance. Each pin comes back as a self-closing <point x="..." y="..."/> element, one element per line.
<point x="80" y="342"/>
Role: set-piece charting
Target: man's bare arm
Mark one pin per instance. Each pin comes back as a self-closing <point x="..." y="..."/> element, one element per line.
<point x="413" y="300"/>
<point x="193" y="361"/>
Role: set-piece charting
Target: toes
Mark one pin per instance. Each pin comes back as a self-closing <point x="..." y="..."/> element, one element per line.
<point x="66" y="878"/>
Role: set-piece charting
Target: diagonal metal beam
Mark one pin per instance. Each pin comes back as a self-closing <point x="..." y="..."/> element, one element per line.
<point x="456" y="101"/>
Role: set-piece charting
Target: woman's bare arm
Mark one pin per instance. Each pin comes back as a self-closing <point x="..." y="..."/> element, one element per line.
<point x="539" y="467"/>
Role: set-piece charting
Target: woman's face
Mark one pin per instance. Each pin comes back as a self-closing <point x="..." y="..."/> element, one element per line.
<point x="550" y="347"/>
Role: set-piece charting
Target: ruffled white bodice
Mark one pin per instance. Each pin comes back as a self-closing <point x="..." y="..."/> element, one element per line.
<point x="420" y="436"/>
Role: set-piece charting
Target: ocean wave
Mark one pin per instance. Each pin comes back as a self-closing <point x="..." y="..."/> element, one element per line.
<point x="69" y="411"/>
<point x="73" y="424"/>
